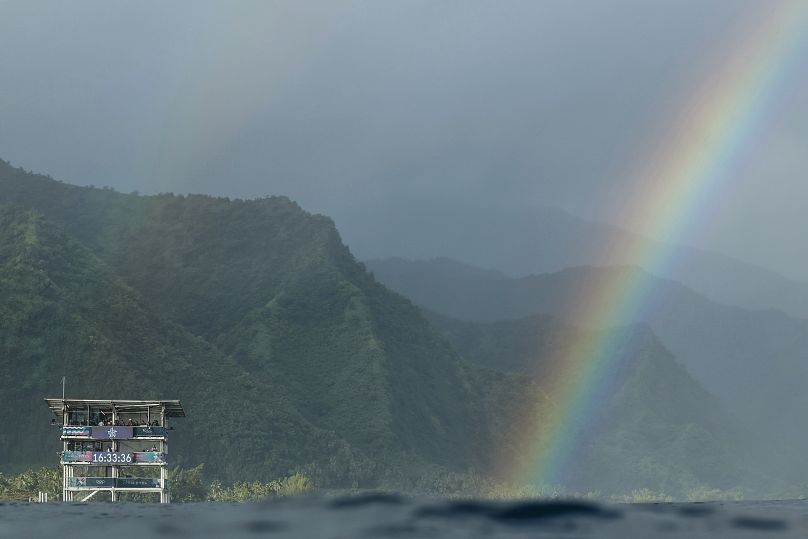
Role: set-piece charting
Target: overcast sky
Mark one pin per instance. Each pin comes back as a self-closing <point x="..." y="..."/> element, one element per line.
<point x="343" y="105"/>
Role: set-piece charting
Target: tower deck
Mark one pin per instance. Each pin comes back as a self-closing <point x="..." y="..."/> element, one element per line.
<point x="114" y="446"/>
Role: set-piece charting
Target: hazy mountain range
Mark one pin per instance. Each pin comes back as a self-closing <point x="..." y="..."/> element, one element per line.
<point x="534" y="346"/>
<point x="290" y="356"/>
<point x="525" y="240"/>
<point x="753" y="360"/>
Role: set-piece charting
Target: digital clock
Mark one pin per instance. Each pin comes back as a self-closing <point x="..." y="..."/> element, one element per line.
<point x="110" y="457"/>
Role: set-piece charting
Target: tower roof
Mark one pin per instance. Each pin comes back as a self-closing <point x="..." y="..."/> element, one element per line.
<point x="173" y="408"/>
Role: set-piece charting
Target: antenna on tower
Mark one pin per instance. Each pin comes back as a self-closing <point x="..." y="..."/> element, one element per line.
<point x="64" y="378"/>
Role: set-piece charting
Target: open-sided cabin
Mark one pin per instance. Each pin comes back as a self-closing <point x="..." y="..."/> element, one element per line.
<point x="114" y="446"/>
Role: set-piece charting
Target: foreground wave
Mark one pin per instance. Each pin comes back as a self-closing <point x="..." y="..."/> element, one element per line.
<point x="382" y="515"/>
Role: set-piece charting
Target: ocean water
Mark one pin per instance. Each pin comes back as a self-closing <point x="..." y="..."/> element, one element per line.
<point x="389" y="516"/>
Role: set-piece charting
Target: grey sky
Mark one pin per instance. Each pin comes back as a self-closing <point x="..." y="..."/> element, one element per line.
<point x="344" y="105"/>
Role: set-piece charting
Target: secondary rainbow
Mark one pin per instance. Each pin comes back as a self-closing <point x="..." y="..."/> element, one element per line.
<point x="695" y="161"/>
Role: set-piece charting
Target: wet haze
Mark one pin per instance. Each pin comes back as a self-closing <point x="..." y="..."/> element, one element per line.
<point x="344" y="106"/>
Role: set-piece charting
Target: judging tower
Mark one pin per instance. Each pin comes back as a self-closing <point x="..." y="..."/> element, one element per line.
<point x="114" y="446"/>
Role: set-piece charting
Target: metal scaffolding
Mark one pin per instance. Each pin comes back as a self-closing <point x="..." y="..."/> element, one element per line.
<point x="103" y="446"/>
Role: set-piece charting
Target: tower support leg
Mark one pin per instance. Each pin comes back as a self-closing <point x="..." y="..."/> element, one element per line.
<point x="163" y="485"/>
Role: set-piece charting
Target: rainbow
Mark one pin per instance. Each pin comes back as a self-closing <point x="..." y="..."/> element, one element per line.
<point x="695" y="161"/>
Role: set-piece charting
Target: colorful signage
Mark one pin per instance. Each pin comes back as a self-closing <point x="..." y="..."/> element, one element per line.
<point x="109" y="482"/>
<point x="76" y="456"/>
<point x="91" y="482"/>
<point x="111" y="433"/>
<point x="150" y="457"/>
<point x="114" y="432"/>
<point x="113" y="457"/>
<point x="76" y="431"/>
<point x="137" y="482"/>
<point x="150" y="432"/>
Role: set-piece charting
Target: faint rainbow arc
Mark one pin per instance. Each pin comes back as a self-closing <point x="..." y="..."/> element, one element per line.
<point x="680" y="181"/>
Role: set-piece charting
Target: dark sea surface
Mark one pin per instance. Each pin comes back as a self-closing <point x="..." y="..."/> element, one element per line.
<point x="396" y="517"/>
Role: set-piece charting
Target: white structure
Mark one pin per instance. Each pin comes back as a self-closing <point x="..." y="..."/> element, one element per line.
<point x="114" y="446"/>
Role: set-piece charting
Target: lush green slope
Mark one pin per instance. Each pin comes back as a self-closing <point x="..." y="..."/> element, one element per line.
<point x="519" y="345"/>
<point x="658" y="426"/>
<point x="64" y="312"/>
<point x="258" y="317"/>
<point x="273" y="288"/>
<point x="753" y="361"/>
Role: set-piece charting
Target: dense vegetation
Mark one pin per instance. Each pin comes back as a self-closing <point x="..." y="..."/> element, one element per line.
<point x="290" y="357"/>
<point x="187" y="485"/>
<point x="190" y="485"/>
<point x="684" y="427"/>
<point x="268" y="331"/>
<point x="753" y="361"/>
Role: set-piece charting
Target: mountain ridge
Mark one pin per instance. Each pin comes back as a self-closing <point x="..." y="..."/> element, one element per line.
<point x="347" y="381"/>
<point x="521" y="240"/>
<point x="745" y="357"/>
<point x="653" y="390"/>
<point x="60" y="298"/>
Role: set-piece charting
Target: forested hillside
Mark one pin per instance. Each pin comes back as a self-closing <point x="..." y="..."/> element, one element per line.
<point x="655" y="393"/>
<point x="257" y="316"/>
<point x="752" y="360"/>
<point x="65" y="313"/>
<point x="276" y="301"/>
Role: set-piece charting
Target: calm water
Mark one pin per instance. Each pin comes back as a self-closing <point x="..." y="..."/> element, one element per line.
<point x="390" y="516"/>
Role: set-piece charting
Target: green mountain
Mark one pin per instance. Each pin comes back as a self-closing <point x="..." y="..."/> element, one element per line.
<point x="653" y="393"/>
<point x="287" y="353"/>
<point x="752" y="360"/>
<point x="275" y="298"/>
<point x="64" y="312"/>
